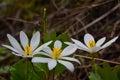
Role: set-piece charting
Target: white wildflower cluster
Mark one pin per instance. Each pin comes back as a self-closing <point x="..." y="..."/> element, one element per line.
<point x="53" y="56"/>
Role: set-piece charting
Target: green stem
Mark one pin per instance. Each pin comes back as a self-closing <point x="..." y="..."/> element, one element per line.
<point x="93" y="60"/>
<point x="46" y="77"/>
<point x="35" y="71"/>
<point x="93" y="63"/>
<point x="26" y="69"/>
<point x="52" y="75"/>
<point x="45" y="21"/>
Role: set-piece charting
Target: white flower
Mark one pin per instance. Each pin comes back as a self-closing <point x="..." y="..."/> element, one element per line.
<point x="90" y="45"/>
<point x="57" y="55"/>
<point x="28" y="49"/>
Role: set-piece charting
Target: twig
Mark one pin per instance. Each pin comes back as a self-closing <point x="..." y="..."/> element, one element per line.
<point x="17" y="16"/>
<point x="71" y="27"/>
<point x="54" y="4"/>
<point x="24" y="21"/>
<point x="98" y="19"/>
<point x="8" y="24"/>
<point x="114" y="29"/>
<point x="2" y="4"/>
<point x="6" y="57"/>
<point x="79" y="20"/>
<point x="98" y="59"/>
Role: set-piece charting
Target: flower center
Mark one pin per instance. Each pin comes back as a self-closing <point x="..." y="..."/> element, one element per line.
<point x="28" y="50"/>
<point x="56" y="53"/>
<point x="91" y="44"/>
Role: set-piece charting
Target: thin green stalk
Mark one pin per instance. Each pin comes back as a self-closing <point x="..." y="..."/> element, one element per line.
<point x="44" y="21"/>
<point x="46" y="76"/>
<point x="52" y="76"/>
<point x="93" y="60"/>
<point x="93" y="63"/>
<point x="35" y="71"/>
<point x="26" y="69"/>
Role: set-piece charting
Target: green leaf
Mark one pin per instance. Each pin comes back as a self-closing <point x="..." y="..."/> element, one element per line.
<point x="93" y="76"/>
<point x="52" y="36"/>
<point x="117" y="71"/>
<point x="49" y="36"/>
<point x="106" y="72"/>
<point x="63" y="37"/>
<point x="18" y="71"/>
<point x="42" y="67"/>
<point x="59" y="68"/>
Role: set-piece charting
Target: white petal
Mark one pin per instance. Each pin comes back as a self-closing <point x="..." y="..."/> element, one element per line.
<point x="79" y="44"/>
<point x="87" y="38"/>
<point x="29" y="56"/>
<point x="95" y="49"/>
<point x="42" y="53"/>
<point x="100" y="41"/>
<point x="110" y="42"/>
<point x="68" y="50"/>
<point x="47" y="50"/>
<point x="70" y="59"/>
<point x="17" y="54"/>
<point x="14" y="42"/>
<point x="71" y="44"/>
<point x="84" y="49"/>
<point x="40" y="60"/>
<point x="52" y="64"/>
<point x="68" y="43"/>
<point x="68" y="65"/>
<point x="35" y="40"/>
<point x="58" y="44"/>
<point x="23" y="39"/>
<point x="43" y="46"/>
<point x="11" y="48"/>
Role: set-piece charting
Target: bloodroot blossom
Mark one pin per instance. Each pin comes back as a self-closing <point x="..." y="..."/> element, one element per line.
<point x="27" y="50"/>
<point x="57" y="55"/>
<point x="90" y="45"/>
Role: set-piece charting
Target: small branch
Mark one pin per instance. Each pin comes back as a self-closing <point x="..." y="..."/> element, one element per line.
<point x="98" y="59"/>
<point x="54" y="4"/>
<point x="115" y="28"/>
<point x="17" y="16"/>
<point x="24" y="21"/>
<point x="79" y="20"/>
<point x="8" y="25"/>
<point x="4" y="4"/>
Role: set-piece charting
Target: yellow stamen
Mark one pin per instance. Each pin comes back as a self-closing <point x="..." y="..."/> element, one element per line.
<point x="91" y="44"/>
<point x="28" y="50"/>
<point x="56" y="53"/>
